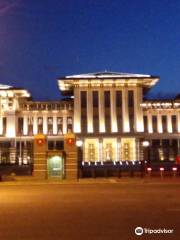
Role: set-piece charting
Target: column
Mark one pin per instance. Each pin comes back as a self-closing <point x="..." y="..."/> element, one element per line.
<point x="138" y="112"/>
<point x="159" y="123"/>
<point x="25" y="125"/>
<point x="113" y="111"/>
<point x="77" y="110"/>
<point x="64" y="124"/>
<point x="89" y="111"/>
<point x="150" y="127"/>
<point x="34" y="124"/>
<point x="125" y="110"/>
<point x="54" y="125"/>
<point x="45" y="125"/>
<point x="178" y="122"/>
<point x="169" y="123"/>
<point x="101" y="111"/>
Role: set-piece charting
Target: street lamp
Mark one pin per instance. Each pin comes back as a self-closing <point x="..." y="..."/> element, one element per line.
<point x="79" y="143"/>
<point x="145" y="143"/>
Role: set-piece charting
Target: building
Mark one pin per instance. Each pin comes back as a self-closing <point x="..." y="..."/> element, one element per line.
<point x="106" y="111"/>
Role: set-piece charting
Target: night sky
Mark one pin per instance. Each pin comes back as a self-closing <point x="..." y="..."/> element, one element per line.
<point x="43" y="39"/>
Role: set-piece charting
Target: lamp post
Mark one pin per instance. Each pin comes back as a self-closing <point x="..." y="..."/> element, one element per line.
<point x="145" y="145"/>
<point x="79" y="144"/>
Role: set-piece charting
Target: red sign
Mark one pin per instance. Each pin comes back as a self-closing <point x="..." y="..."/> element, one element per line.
<point x="70" y="141"/>
<point x="40" y="141"/>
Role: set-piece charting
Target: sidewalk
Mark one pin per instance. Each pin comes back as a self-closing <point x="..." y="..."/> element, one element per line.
<point x="30" y="180"/>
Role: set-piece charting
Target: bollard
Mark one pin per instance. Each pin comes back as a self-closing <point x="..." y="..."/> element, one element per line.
<point x="149" y="169"/>
<point x="174" y="169"/>
<point x="161" y="171"/>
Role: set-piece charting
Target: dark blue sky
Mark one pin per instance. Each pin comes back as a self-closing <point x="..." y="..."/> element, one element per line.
<point x="43" y="39"/>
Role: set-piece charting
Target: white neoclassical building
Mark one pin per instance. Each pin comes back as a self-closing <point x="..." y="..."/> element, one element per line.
<point x="107" y="111"/>
<point x="114" y="121"/>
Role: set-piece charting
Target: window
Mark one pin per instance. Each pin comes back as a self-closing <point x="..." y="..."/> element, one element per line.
<point x="118" y="98"/>
<point x="83" y="99"/>
<point x="130" y="98"/>
<point x="50" y="125"/>
<point x="154" y="123"/>
<point x="164" y="123"/>
<point x="95" y="99"/>
<point x="59" y="145"/>
<point x="69" y="124"/>
<point x="145" y="124"/>
<point x="91" y="152"/>
<point x="174" y="123"/>
<point x="40" y="125"/>
<point x="20" y="126"/>
<point x="59" y="125"/>
<point x="107" y="99"/>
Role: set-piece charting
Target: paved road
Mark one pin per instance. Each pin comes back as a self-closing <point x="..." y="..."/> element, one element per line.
<point x="88" y="211"/>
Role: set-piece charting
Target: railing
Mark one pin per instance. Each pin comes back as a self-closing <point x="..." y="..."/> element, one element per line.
<point x="43" y="106"/>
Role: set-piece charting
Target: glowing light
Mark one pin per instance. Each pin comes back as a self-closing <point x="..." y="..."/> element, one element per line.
<point x="140" y="126"/>
<point x="10" y="132"/>
<point x="79" y="143"/>
<point x="77" y="127"/>
<point x="145" y="143"/>
<point x="161" y="169"/>
<point x="149" y="169"/>
<point x="174" y="169"/>
<point x="25" y="161"/>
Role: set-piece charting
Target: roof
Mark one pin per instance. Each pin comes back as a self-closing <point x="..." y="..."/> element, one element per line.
<point x="107" y="79"/>
<point x="6" y="90"/>
<point x="3" y="87"/>
<point x="107" y="75"/>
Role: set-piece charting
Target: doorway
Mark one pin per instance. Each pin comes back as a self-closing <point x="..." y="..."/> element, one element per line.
<point x="56" y="166"/>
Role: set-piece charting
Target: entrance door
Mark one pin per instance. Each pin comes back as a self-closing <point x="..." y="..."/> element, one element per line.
<point x="56" y="167"/>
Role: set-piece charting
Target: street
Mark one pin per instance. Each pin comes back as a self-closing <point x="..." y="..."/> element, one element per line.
<point x="89" y="211"/>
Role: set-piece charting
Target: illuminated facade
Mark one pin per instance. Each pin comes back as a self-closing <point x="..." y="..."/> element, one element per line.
<point x="106" y="111"/>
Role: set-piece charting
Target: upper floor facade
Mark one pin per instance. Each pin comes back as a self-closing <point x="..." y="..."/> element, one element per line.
<point x="98" y="104"/>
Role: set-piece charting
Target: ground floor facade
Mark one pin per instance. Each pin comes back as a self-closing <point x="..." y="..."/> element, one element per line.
<point x="62" y="157"/>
